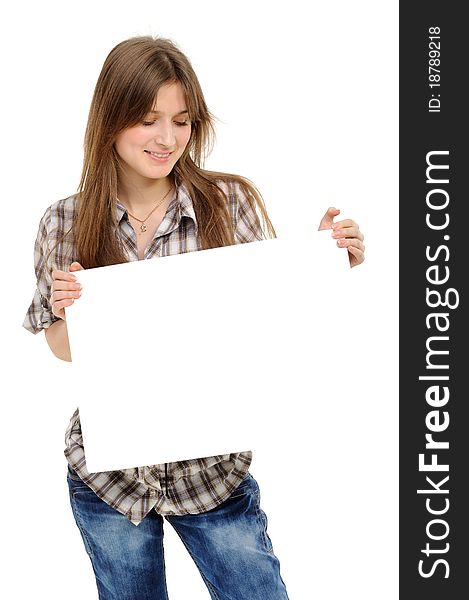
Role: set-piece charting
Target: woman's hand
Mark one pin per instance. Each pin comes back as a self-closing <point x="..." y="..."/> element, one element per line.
<point x="65" y="290"/>
<point x="348" y="235"/>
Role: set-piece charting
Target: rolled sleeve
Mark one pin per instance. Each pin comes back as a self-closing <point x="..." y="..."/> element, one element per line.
<point x="39" y="315"/>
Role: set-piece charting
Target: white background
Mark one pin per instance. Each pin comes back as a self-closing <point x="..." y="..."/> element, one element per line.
<point x="306" y="97"/>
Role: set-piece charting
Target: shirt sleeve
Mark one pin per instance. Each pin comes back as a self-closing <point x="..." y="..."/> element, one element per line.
<point x="39" y="315"/>
<point x="248" y="221"/>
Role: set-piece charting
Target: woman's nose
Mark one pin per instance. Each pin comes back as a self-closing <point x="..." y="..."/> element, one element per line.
<point x="165" y="135"/>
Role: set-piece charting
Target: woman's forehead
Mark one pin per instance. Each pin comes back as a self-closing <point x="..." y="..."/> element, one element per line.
<point x="170" y="98"/>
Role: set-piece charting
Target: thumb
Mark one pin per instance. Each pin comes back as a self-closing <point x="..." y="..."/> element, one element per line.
<point x="328" y="218"/>
<point x="75" y="266"/>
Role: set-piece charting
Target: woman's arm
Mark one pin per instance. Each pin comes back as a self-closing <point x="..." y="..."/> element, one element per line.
<point x="65" y="290"/>
<point x="57" y="338"/>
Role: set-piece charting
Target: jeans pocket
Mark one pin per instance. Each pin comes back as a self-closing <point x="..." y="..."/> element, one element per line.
<point x="240" y="490"/>
<point x="77" y="514"/>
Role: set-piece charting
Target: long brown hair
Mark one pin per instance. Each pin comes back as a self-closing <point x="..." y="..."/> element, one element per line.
<point x="126" y="89"/>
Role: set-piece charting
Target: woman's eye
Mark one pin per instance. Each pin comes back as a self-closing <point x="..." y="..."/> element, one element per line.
<point x="178" y="123"/>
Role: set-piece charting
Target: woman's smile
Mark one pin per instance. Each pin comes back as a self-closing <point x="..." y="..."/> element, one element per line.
<point x="158" y="157"/>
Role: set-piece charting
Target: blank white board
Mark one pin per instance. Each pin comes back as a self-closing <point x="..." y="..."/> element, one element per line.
<point x="204" y="353"/>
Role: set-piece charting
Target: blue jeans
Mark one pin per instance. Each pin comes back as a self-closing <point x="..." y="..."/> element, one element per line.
<point x="229" y="544"/>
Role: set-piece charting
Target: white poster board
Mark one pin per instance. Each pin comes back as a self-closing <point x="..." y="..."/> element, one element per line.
<point x="203" y="353"/>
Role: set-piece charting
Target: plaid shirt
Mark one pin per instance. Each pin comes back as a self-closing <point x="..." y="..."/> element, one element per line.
<point x="178" y="488"/>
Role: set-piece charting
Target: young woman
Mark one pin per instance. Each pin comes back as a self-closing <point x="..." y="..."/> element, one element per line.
<point x="144" y="194"/>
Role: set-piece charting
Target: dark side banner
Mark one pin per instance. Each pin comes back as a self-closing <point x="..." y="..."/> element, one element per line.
<point x="433" y="300"/>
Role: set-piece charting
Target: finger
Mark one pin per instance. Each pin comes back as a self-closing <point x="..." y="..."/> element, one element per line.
<point x="328" y="218"/>
<point x="356" y="256"/>
<point x="75" y="266"/>
<point x="63" y="275"/>
<point x="63" y="295"/>
<point x="70" y="286"/>
<point x="354" y="242"/>
<point x="58" y="307"/>
<point x="345" y="223"/>
<point x="348" y="232"/>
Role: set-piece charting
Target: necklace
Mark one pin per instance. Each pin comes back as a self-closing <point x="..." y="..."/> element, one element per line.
<point x="143" y="227"/>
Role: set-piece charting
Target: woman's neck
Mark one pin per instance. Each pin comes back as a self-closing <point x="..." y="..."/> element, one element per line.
<point x="138" y="199"/>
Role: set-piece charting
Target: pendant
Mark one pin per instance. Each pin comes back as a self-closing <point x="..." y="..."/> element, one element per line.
<point x="143" y="227"/>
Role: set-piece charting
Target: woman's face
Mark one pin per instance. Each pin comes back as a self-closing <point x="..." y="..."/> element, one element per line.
<point x="151" y="149"/>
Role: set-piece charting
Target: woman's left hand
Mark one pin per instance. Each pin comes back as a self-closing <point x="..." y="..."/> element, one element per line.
<point x="348" y="235"/>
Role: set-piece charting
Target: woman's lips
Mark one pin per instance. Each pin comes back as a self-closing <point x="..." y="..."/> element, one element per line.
<point x="160" y="157"/>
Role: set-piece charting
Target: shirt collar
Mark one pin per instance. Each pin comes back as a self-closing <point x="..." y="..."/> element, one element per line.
<point x="182" y="203"/>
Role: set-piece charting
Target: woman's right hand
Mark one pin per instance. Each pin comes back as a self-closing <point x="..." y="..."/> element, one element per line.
<point x="65" y="290"/>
